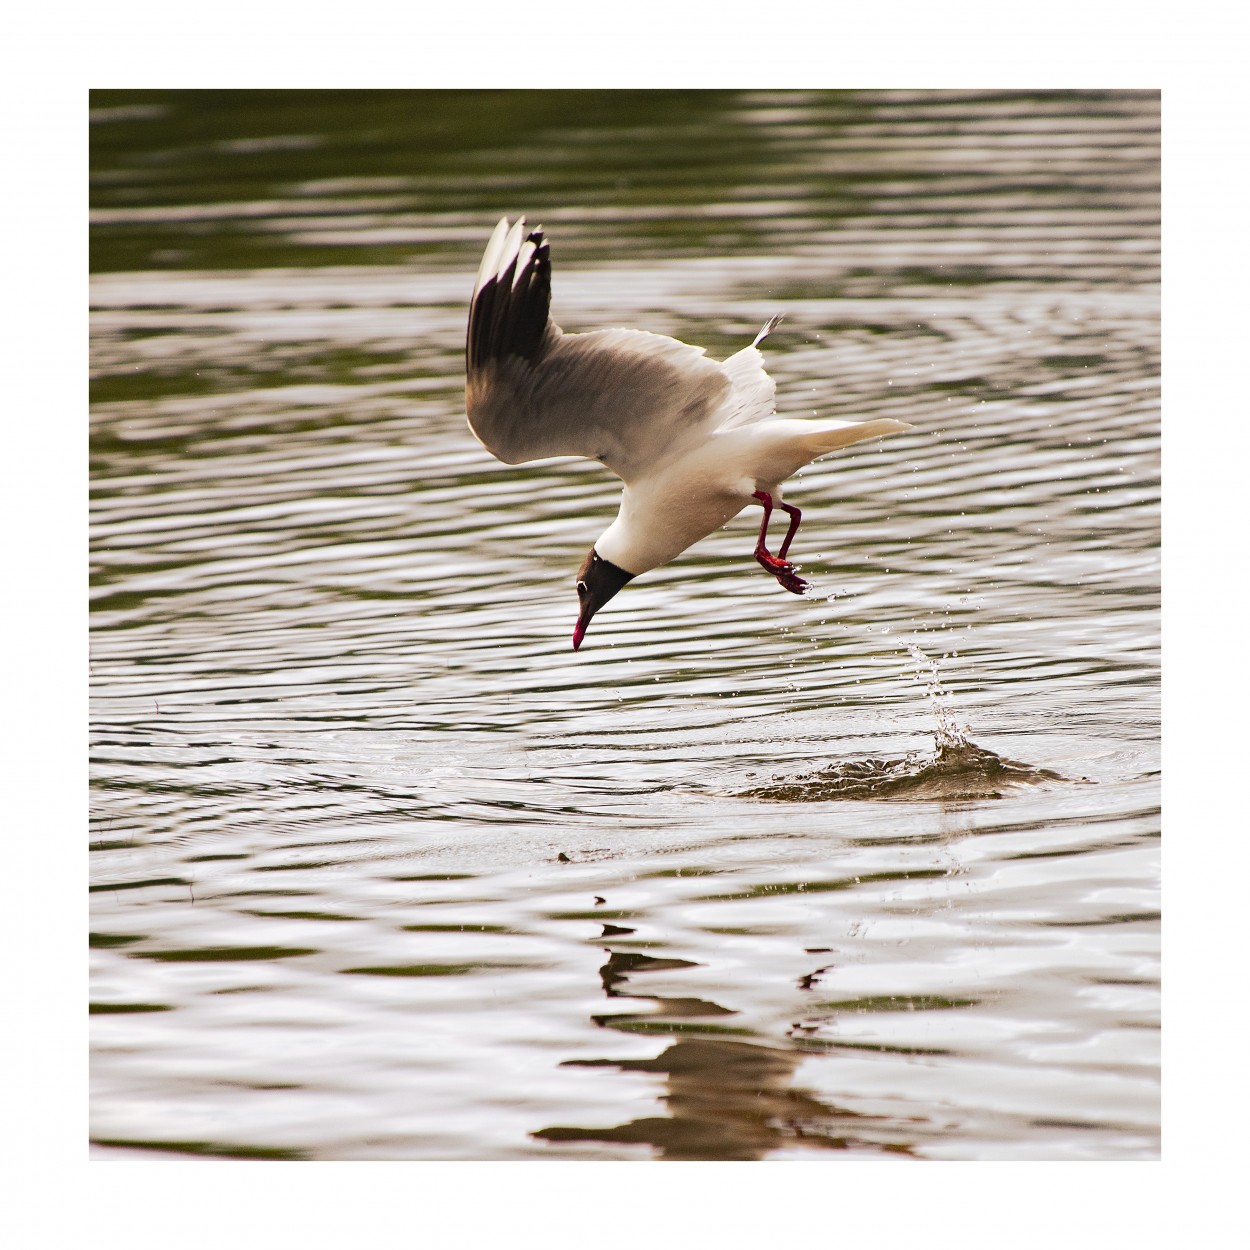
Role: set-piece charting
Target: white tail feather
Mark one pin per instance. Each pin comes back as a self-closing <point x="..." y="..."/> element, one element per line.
<point x="830" y="435"/>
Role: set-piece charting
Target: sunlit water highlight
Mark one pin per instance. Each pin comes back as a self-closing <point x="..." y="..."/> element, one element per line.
<point x="382" y="869"/>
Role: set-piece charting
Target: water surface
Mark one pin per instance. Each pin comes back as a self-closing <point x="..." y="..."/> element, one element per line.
<point x="382" y="869"/>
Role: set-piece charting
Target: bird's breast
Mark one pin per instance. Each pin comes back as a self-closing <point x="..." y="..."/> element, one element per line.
<point x="664" y="513"/>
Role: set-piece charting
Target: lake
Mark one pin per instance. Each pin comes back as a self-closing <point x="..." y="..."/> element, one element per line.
<point x="382" y="869"/>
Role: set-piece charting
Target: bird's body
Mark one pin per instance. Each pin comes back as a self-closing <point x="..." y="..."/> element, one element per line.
<point x="700" y="489"/>
<point x="694" y="440"/>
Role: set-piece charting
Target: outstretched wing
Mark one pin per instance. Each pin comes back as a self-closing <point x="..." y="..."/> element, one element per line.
<point x="626" y="398"/>
<point x="753" y="392"/>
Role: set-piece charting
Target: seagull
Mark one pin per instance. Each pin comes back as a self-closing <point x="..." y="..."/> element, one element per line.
<point x="693" y="440"/>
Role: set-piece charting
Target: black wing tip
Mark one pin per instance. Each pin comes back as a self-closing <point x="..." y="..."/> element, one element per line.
<point x="509" y="312"/>
<point x="769" y="326"/>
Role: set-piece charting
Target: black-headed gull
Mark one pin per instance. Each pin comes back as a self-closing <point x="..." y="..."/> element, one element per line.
<point x="694" y="440"/>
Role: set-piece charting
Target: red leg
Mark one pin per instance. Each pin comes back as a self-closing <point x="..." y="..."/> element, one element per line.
<point x="795" y="517"/>
<point x="766" y="502"/>
<point x="778" y="566"/>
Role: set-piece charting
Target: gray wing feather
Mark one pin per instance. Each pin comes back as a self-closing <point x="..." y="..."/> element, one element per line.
<point x="624" y="397"/>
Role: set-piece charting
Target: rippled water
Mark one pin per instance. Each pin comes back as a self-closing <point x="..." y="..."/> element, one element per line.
<point x="381" y="868"/>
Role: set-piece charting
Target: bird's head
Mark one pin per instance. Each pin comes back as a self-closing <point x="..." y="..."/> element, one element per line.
<point x="597" y="581"/>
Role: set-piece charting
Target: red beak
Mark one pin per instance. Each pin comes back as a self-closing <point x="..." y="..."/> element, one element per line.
<point x="579" y="630"/>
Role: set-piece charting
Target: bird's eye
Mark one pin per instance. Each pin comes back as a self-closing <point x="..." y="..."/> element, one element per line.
<point x="581" y="589"/>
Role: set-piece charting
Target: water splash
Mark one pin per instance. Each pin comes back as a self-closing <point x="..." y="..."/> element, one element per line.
<point x="949" y="735"/>
<point x="957" y="769"/>
<point x="962" y="773"/>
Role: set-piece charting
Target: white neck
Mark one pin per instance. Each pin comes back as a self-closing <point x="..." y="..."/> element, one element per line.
<point x="615" y="546"/>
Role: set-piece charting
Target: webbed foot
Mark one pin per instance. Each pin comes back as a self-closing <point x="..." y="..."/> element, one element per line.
<point x="785" y="572"/>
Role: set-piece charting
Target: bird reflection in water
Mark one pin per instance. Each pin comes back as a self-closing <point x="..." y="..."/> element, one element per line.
<point x="726" y="1098"/>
